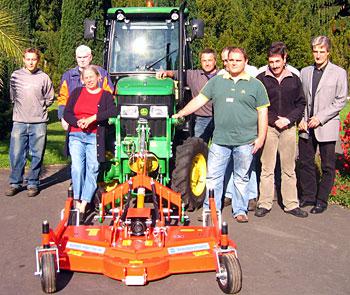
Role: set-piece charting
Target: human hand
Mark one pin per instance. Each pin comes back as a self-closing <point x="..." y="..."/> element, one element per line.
<point x="303" y="126"/>
<point x="161" y="74"/>
<point x="314" y="122"/>
<point x="178" y="115"/>
<point x="86" y="122"/>
<point x="64" y="124"/>
<point x="258" y="143"/>
<point x="282" y="122"/>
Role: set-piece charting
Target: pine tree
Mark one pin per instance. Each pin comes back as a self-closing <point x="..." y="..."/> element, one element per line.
<point x="72" y="30"/>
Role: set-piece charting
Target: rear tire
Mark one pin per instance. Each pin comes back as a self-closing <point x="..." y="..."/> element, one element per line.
<point x="231" y="282"/>
<point x="48" y="273"/>
<point x="190" y="171"/>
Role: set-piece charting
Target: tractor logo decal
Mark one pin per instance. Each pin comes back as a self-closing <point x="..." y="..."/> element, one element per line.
<point x="144" y="112"/>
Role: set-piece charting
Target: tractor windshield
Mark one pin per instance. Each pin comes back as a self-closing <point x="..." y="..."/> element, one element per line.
<point x="142" y="46"/>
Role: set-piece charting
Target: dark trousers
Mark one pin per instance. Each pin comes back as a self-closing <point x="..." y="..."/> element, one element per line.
<point x="311" y="189"/>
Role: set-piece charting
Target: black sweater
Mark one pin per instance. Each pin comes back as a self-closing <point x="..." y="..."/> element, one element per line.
<point x="287" y="98"/>
<point x="106" y="108"/>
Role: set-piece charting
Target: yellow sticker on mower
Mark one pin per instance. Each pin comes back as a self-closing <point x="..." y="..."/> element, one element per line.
<point x="92" y="232"/>
<point x="126" y="243"/>
<point x="200" y="253"/>
<point x="75" y="253"/>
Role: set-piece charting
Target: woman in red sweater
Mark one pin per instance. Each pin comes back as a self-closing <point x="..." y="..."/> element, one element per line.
<point x="87" y="114"/>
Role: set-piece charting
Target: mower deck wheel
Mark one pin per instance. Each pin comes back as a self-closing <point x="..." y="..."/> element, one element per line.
<point x="230" y="281"/>
<point x="48" y="273"/>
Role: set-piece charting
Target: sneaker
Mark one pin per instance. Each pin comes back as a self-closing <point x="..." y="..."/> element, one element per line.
<point x="297" y="212"/>
<point x="252" y="205"/>
<point x="261" y="212"/>
<point x="13" y="190"/>
<point x="241" y="218"/>
<point x="32" y="192"/>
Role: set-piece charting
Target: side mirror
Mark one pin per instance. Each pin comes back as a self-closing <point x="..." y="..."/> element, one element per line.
<point x="197" y="29"/>
<point x="89" y="29"/>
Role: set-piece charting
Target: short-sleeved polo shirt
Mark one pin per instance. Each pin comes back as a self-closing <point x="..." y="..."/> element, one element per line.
<point x="235" y="107"/>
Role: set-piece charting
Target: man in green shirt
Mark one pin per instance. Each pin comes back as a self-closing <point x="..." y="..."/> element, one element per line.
<point x="240" y="114"/>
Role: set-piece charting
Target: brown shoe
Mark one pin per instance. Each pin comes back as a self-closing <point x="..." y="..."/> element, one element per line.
<point x="12" y="191"/>
<point x="252" y="205"/>
<point x="32" y="192"/>
<point x="242" y="218"/>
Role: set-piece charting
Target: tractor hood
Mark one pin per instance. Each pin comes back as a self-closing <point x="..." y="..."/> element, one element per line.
<point x="145" y="85"/>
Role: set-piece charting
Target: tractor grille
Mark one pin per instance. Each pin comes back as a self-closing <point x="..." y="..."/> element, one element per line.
<point x="157" y="125"/>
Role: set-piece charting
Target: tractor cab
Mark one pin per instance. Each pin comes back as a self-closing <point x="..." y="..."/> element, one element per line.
<point x="140" y="41"/>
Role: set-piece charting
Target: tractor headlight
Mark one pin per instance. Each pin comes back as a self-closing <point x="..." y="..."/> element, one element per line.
<point x="174" y="16"/>
<point x="158" y="112"/>
<point x="129" y="112"/>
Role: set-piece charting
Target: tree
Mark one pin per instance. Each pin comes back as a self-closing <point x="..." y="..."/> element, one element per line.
<point x="47" y="31"/>
<point x="72" y="29"/>
<point x="11" y="46"/>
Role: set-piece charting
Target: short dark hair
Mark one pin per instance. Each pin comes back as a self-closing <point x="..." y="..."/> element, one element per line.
<point x="239" y="50"/>
<point x="32" y="50"/>
<point x="207" y="51"/>
<point x="277" y="48"/>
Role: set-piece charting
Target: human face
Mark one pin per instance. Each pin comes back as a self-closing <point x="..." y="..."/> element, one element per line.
<point x="224" y="58"/>
<point x="83" y="59"/>
<point x="208" y="62"/>
<point x="236" y="63"/>
<point x="277" y="64"/>
<point x="321" y="55"/>
<point x="31" y="61"/>
<point x="90" y="79"/>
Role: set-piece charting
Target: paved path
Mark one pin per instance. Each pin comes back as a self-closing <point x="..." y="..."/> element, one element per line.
<point x="279" y="254"/>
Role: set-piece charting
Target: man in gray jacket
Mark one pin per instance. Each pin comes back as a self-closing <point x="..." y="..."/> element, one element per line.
<point x="31" y="92"/>
<point x="325" y="88"/>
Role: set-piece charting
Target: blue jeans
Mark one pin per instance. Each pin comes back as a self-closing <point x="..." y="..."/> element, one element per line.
<point x="252" y="190"/>
<point x="84" y="168"/>
<point x="204" y="127"/>
<point x="26" y="137"/>
<point x="218" y="159"/>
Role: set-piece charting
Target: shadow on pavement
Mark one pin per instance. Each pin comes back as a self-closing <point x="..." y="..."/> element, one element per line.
<point x="64" y="279"/>
<point x="59" y="176"/>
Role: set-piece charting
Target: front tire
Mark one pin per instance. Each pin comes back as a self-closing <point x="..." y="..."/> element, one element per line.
<point x="190" y="171"/>
<point x="231" y="280"/>
<point x="48" y="273"/>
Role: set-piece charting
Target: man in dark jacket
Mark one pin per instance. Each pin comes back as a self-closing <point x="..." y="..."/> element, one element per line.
<point x="287" y="103"/>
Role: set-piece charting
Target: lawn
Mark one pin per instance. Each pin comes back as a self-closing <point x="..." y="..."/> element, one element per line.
<point x="54" y="147"/>
<point x="345" y="111"/>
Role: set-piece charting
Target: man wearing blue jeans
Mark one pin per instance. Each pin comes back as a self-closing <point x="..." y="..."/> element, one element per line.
<point x="240" y="114"/>
<point x="31" y="92"/>
<point x="253" y="182"/>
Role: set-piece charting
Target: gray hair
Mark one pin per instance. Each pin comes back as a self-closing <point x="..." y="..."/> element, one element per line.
<point x="321" y="41"/>
<point x="83" y="49"/>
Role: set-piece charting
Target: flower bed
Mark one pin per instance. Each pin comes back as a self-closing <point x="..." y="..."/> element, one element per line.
<point x="341" y="189"/>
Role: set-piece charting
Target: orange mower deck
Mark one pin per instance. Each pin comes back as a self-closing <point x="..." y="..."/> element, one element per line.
<point x="140" y="244"/>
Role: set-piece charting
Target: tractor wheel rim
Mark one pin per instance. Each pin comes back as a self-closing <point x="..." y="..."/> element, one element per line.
<point x="198" y="175"/>
<point x="223" y="276"/>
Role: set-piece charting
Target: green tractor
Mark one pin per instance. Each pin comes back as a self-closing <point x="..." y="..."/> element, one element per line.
<point x="139" y="42"/>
